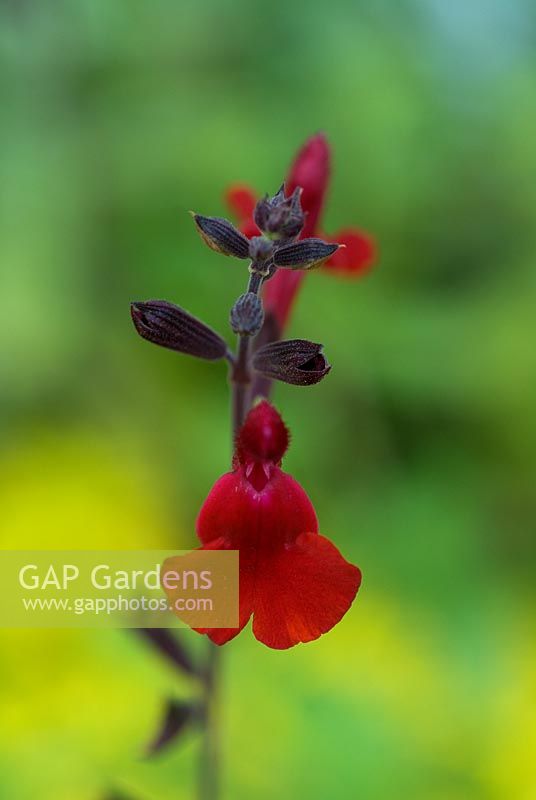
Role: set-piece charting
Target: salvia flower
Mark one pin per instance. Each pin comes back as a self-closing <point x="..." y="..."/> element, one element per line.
<point x="293" y="581"/>
<point x="310" y="173"/>
<point x="295" y="361"/>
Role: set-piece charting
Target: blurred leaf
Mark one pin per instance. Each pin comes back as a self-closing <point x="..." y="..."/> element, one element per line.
<point x="167" y="643"/>
<point x="176" y="717"/>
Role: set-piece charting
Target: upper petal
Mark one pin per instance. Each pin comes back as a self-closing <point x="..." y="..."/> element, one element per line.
<point x="311" y="170"/>
<point x="302" y="591"/>
<point x="259" y="520"/>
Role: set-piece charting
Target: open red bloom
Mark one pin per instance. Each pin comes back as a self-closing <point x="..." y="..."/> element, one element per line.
<point x="310" y="171"/>
<point x="293" y="581"/>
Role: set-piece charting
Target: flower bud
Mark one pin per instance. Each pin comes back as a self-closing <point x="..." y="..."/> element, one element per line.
<point x="221" y="236"/>
<point x="295" y="361"/>
<point x="169" y="326"/>
<point x="305" y="254"/>
<point x="280" y="216"/>
<point x="247" y="315"/>
<point x="260" y="249"/>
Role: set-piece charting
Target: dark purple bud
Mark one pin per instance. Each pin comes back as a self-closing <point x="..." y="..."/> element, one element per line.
<point x="295" y="361"/>
<point x="261" y="214"/>
<point x="280" y="217"/>
<point x="279" y="196"/>
<point x="169" y="326"/>
<point x="305" y="254"/>
<point x="222" y="236"/>
<point x="247" y="315"/>
<point x="295" y="198"/>
<point x="260" y="249"/>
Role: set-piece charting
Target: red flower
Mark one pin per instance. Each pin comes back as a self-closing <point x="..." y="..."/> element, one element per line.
<point x="293" y="581"/>
<point x="310" y="170"/>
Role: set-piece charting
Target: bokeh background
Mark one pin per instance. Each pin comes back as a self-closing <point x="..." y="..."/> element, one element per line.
<point x="419" y="451"/>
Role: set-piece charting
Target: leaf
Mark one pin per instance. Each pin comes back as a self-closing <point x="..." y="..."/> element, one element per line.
<point x="177" y="715"/>
<point x="168" y="644"/>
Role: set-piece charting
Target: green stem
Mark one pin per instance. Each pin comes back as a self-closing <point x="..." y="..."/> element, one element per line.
<point x="209" y="787"/>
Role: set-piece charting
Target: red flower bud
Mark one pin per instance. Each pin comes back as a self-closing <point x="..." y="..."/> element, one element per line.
<point x="263" y="437"/>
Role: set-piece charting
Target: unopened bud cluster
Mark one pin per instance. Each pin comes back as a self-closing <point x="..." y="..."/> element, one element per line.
<point x="280" y="217"/>
<point x="280" y="220"/>
<point x="247" y="315"/>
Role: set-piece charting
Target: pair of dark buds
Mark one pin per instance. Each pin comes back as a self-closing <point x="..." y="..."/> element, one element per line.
<point x="296" y="361"/>
<point x="281" y="220"/>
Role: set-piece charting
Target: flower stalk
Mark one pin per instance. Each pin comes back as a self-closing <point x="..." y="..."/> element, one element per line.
<point x="240" y="383"/>
<point x="257" y="508"/>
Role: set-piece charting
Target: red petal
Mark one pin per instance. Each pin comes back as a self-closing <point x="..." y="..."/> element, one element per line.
<point x="234" y="516"/>
<point x="311" y="170"/>
<point x="247" y="519"/>
<point x="246" y="572"/>
<point x="357" y="255"/>
<point x="249" y="228"/>
<point x="241" y="200"/>
<point x="263" y="436"/>
<point x="187" y="560"/>
<point x="302" y="591"/>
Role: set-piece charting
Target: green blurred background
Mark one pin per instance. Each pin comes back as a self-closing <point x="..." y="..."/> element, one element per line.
<point x="418" y="451"/>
